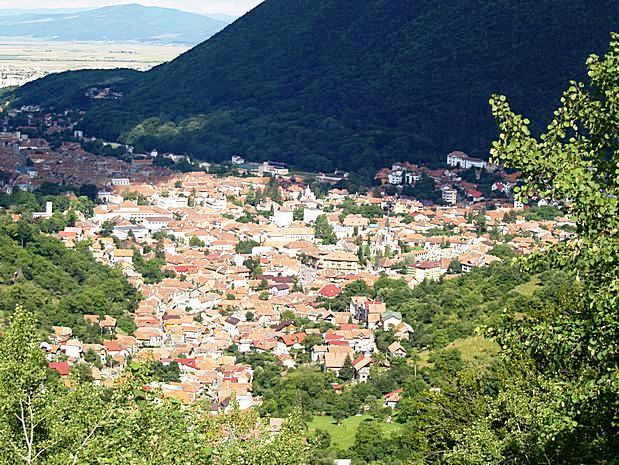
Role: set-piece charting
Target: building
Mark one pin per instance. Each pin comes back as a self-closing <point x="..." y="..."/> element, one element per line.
<point x="283" y="217"/>
<point x="449" y="195"/>
<point x="342" y="261"/>
<point x="462" y="160"/>
<point x="396" y="178"/>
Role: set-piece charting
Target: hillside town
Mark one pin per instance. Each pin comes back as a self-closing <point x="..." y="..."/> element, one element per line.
<point x="250" y="261"/>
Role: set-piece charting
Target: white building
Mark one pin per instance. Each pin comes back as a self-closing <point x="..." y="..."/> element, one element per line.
<point x="449" y="195"/>
<point x="237" y="160"/>
<point x="396" y="178"/>
<point x="216" y="203"/>
<point x="311" y="214"/>
<point x="120" y="182"/>
<point x="171" y="203"/>
<point x="283" y="217"/>
<point x="46" y="214"/>
<point x="462" y="160"/>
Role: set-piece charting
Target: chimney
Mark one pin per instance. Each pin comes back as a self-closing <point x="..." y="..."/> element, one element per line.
<point x="48" y="208"/>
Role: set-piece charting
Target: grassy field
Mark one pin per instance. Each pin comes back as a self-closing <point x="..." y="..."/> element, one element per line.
<point x="527" y="289"/>
<point x="32" y="58"/>
<point x="474" y="348"/>
<point x="343" y="435"/>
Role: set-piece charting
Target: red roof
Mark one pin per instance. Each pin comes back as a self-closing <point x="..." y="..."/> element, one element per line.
<point x="190" y="362"/>
<point x="330" y="291"/>
<point x="61" y="367"/>
<point x="337" y="343"/>
<point x="112" y="346"/>
<point x="397" y="391"/>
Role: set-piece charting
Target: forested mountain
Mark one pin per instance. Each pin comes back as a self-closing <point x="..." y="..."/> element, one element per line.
<point x="114" y="23"/>
<point x="358" y="84"/>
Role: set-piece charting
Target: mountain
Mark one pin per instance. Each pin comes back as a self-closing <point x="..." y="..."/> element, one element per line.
<point x="228" y="19"/>
<point x="131" y="22"/>
<point x="355" y="85"/>
<point x="24" y="11"/>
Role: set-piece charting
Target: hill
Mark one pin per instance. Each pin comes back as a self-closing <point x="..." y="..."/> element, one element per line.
<point x="59" y="285"/>
<point x="357" y="85"/>
<point x="131" y="22"/>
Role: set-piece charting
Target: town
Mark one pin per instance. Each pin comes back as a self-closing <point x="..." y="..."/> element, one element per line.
<point x="251" y="261"/>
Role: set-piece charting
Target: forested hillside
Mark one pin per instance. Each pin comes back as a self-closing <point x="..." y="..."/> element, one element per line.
<point x="58" y="285"/>
<point x="357" y="84"/>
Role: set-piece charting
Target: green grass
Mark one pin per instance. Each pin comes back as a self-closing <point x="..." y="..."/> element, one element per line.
<point x="527" y="289"/>
<point x="472" y="349"/>
<point x="343" y="435"/>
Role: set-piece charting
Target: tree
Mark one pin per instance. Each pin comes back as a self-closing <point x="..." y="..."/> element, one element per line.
<point x="370" y="442"/>
<point x="503" y="251"/>
<point x="245" y="247"/>
<point x="254" y="266"/>
<point x="455" y="267"/>
<point x="195" y="241"/>
<point x="347" y="372"/>
<point x="297" y="213"/>
<point x="324" y="230"/>
<point x="559" y="400"/>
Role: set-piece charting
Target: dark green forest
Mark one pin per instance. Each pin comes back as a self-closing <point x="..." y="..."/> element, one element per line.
<point x="352" y="85"/>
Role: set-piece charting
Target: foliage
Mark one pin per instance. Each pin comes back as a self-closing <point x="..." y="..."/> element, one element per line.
<point x="559" y="402"/>
<point x="151" y="270"/>
<point x="442" y="312"/>
<point x="347" y="372"/>
<point x="324" y="230"/>
<point x="57" y="284"/>
<point x="245" y="247"/>
<point x="379" y="86"/>
<point x="424" y="189"/>
<point x="44" y="422"/>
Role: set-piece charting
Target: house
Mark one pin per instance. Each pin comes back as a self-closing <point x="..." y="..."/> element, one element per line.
<point x="391" y="320"/>
<point x="279" y="290"/>
<point x="330" y="291"/>
<point x="449" y="195"/>
<point x="396" y="350"/>
<point x="62" y="368"/>
<point x="396" y="177"/>
<point x="393" y="398"/>
<point x="403" y="331"/>
<point x="283" y="217"/>
<point x="336" y="357"/>
<point x="341" y="261"/>
<point x="362" y="365"/>
<point x="366" y="310"/>
<point x="319" y="354"/>
<point x="72" y="348"/>
<point x="431" y="271"/>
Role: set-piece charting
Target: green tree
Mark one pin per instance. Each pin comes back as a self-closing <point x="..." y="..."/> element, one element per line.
<point x="370" y="442"/>
<point x="347" y="372"/>
<point x="245" y="247"/>
<point x="324" y="230"/>
<point x="559" y="402"/>
<point x="196" y="242"/>
<point x="297" y="213"/>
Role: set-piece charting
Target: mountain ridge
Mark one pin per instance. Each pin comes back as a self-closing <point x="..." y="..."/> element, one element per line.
<point x="356" y="85"/>
<point x="116" y="23"/>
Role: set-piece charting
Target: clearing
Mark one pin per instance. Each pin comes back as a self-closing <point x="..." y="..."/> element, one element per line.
<point x="343" y="435"/>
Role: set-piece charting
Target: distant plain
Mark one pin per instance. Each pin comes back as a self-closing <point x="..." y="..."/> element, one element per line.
<point x="39" y="56"/>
